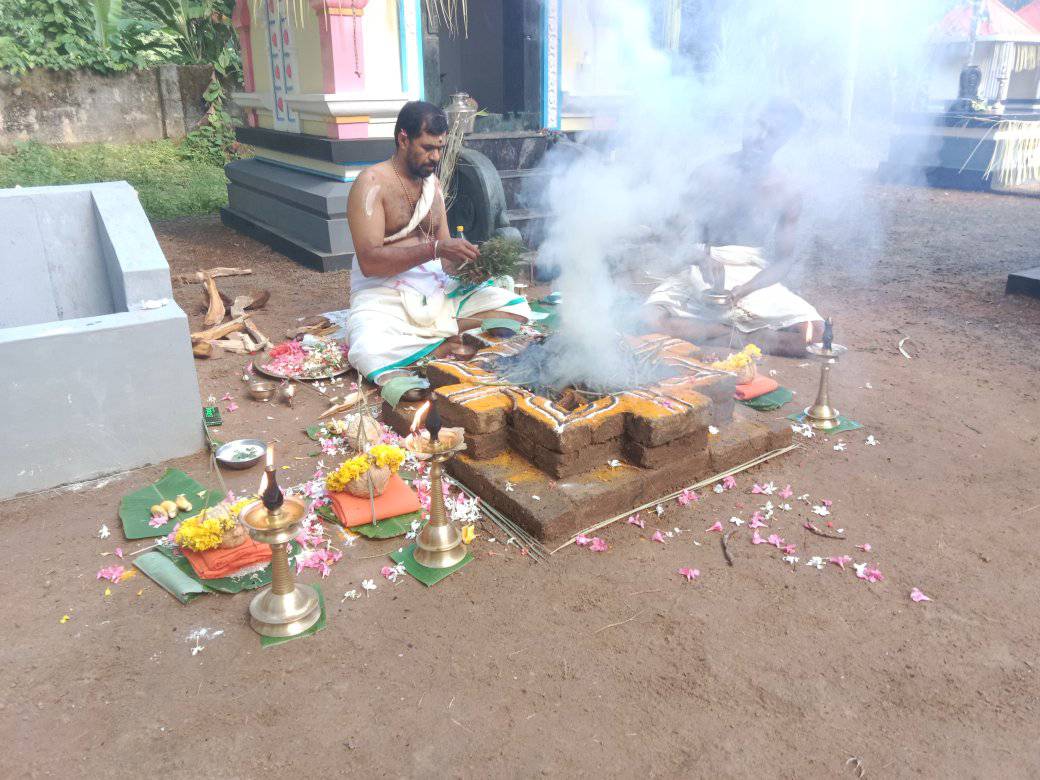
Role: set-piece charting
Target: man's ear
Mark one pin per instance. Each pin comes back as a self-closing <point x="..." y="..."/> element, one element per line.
<point x="402" y="137"/>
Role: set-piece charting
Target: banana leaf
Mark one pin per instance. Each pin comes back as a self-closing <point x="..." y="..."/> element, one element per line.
<point x="135" y="508"/>
<point x="227" y="584"/>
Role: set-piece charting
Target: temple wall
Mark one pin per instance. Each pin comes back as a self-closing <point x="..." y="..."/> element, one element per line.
<point x="76" y="107"/>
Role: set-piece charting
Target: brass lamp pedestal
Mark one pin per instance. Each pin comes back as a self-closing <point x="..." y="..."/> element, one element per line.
<point x="821" y="415"/>
<point x="439" y="544"/>
<point x="285" y="607"/>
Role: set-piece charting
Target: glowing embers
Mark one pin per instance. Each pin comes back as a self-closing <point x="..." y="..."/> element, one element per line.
<point x="664" y="412"/>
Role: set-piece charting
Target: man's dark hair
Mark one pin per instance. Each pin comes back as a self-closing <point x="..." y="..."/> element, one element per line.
<point x="418" y="117"/>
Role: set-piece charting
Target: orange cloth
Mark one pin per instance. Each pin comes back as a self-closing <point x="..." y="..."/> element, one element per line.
<point x="760" y="385"/>
<point x="397" y="499"/>
<point x="217" y="563"/>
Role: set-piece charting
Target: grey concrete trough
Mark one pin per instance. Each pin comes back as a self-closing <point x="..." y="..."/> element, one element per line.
<point x="96" y="371"/>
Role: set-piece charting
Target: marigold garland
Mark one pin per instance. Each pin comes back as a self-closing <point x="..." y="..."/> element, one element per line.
<point x="384" y="456"/>
<point x="206" y="530"/>
<point x="745" y="357"/>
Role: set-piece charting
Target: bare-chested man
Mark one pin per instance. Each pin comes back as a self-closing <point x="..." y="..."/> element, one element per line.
<point x="404" y="305"/>
<point x="748" y="217"/>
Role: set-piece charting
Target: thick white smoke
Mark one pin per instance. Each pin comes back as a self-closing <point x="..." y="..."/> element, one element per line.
<point x="849" y="65"/>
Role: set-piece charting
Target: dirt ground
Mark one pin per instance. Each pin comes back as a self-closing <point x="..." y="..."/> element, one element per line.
<point x="605" y="663"/>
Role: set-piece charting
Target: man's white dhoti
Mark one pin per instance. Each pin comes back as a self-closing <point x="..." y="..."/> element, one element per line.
<point x="394" y="326"/>
<point x="774" y="307"/>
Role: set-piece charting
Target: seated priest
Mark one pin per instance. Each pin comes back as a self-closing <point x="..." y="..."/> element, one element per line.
<point x="404" y="303"/>
<point x="741" y="250"/>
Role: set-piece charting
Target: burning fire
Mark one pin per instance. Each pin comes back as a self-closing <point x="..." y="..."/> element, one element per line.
<point x="420" y="416"/>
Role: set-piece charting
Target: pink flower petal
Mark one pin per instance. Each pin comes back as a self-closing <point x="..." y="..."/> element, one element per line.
<point x="110" y="573"/>
<point x="119" y="552"/>
<point x="917" y="595"/>
<point x="826" y="503"/>
<point x="636" y="520"/>
<point x="757" y="520"/>
<point x="659" y="537"/>
<point x="231" y="407"/>
<point x="786" y="492"/>
<point x="716" y="527"/>
<point x="582" y="540"/>
<point x="789" y="549"/>
<point x="689" y="574"/>
<point x="840" y="560"/>
<point x="864" y="547"/>
<point x="756" y="538"/>
<point x="226" y="397"/>
<point x="598" y="545"/>
<point x="776" y="540"/>
<point x="729" y="483"/>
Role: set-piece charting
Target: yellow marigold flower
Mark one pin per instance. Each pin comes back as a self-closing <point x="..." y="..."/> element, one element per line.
<point x="387" y="456"/>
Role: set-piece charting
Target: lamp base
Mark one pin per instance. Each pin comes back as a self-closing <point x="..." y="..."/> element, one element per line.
<point x="439" y="546"/>
<point x="822" y="417"/>
<point x="288" y="614"/>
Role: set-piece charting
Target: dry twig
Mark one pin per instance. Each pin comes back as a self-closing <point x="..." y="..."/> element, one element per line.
<point x="725" y="545"/>
<point x="814" y="530"/>
<point x="620" y="623"/>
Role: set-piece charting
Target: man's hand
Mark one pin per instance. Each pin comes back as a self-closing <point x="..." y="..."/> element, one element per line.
<point x="456" y="252"/>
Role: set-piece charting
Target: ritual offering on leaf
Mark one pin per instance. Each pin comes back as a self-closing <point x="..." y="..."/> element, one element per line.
<point x="215" y="527"/>
<point x="311" y="358"/>
<point x="357" y="430"/>
<point x="499" y="257"/>
<point x="366" y="474"/>
<point x="740" y="363"/>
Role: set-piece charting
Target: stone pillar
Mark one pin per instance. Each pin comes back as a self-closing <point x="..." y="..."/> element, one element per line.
<point x="170" y="101"/>
<point x="242" y="21"/>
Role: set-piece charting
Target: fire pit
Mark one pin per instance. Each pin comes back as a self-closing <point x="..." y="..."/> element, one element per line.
<point x="558" y="458"/>
<point x="568" y="431"/>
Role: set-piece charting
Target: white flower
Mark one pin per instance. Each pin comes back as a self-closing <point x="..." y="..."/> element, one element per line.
<point x="614" y="463"/>
<point x="791" y="559"/>
<point x="696" y="543"/>
<point x="804" y="497"/>
<point x="677" y="530"/>
<point x="350" y="594"/>
<point x="659" y="509"/>
<point x="509" y="487"/>
<point x="840" y="446"/>
<point x="103" y="532"/>
<point x="859" y="567"/>
<point x="872" y="441"/>
<point x="414" y="530"/>
<point x="769" y="488"/>
<point x="537" y="498"/>
<point x="868" y="386"/>
<point x="821" y="510"/>
<point x="736" y="521"/>
<point x="718" y="488"/>
<point x="786" y="507"/>
<point x="816" y="561"/>
<point x="368" y="585"/>
<point x="773" y="372"/>
<point x="670" y="534"/>
<point x="805" y="430"/>
<point x="713" y="430"/>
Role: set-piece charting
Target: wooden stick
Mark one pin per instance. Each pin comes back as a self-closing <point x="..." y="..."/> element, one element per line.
<point x="814" y="530"/>
<point x="216" y="311"/>
<point x="219" y="331"/>
<point x="725" y="546"/>
<point x="200" y="277"/>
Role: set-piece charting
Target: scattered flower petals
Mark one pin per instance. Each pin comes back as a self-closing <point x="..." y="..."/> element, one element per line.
<point x="368" y="585"/>
<point x="64" y="619"/>
<point x="804" y="497"/>
<point x="689" y="574"/>
<point x="614" y="463"/>
<point x="226" y="397"/>
<point x="872" y="441"/>
<point x="865" y="547"/>
<point x="736" y="521"/>
<point x="659" y="509"/>
<point x="791" y="559"/>
<point x="392" y="573"/>
<point x="110" y="573"/>
<point x="840" y="560"/>
<point x="816" y="561"/>
<point x="756" y="520"/>
<point x="767" y="489"/>
<point x="119" y="552"/>
<point x="686" y="497"/>
<point x="468" y="534"/>
<point x="350" y="594"/>
<point x="756" y="538"/>
<point x="776" y="540"/>
<point x="232" y="407"/>
<point x="729" y="483"/>
<point x="583" y="541"/>
<point x="840" y="446"/>
<point x="108" y="592"/>
<point x="636" y="520"/>
<point x="789" y="549"/>
<point x="103" y="532"/>
<point x="827" y="502"/>
<point x="917" y="595"/>
<point x="864" y="572"/>
<point x="805" y="430"/>
<point x="659" y="537"/>
<point x="537" y="498"/>
<point x="716" y="526"/>
<point x="509" y="487"/>
<point x="821" y="510"/>
<point x="718" y="488"/>
<point x="785" y="507"/>
<point x="598" y="545"/>
<point x="786" y="492"/>
<point x="713" y="430"/>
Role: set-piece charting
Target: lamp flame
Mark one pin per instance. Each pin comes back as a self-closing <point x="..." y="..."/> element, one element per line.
<point x="270" y="456"/>
<point x="420" y="415"/>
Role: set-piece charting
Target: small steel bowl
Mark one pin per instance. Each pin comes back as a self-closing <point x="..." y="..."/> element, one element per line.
<point x="261" y="390"/>
<point x="225" y="452"/>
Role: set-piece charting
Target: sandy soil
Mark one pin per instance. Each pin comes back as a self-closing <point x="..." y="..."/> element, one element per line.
<point x="606" y="663"/>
